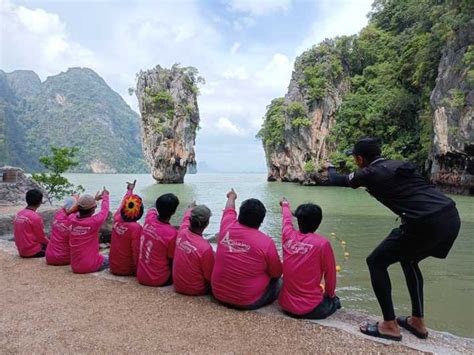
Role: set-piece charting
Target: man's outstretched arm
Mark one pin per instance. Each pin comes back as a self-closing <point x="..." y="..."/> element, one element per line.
<point x="336" y="179"/>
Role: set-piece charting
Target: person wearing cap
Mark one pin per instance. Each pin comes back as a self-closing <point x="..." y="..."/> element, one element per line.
<point x="84" y="237"/>
<point x="58" y="251"/>
<point x="126" y="233"/>
<point x="157" y="243"/>
<point x="247" y="268"/>
<point x="28" y="227"/>
<point x="429" y="226"/>
<point x="193" y="257"/>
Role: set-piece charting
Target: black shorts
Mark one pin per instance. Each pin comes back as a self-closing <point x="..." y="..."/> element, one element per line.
<point x="433" y="236"/>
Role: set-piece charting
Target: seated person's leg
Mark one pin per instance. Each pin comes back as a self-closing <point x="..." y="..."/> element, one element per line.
<point x="270" y="295"/>
<point x="105" y="264"/>
<point x="327" y="307"/>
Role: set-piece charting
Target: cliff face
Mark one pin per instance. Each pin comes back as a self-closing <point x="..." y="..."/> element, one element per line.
<point x="296" y="128"/>
<point x="73" y="108"/>
<point x="169" y="120"/>
<point x="451" y="161"/>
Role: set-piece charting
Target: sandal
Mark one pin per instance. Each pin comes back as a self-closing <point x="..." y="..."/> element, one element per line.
<point x="373" y="331"/>
<point x="403" y="322"/>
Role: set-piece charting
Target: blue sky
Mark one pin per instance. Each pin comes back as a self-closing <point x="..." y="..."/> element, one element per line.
<point x="245" y="50"/>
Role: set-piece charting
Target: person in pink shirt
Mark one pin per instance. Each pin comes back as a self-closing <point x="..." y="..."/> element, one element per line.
<point x="58" y="251"/>
<point x="157" y="243"/>
<point x="247" y="267"/>
<point x="193" y="258"/>
<point x="28" y="228"/>
<point x="307" y="259"/>
<point x="84" y="237"/>
<point x="126" y="233"/>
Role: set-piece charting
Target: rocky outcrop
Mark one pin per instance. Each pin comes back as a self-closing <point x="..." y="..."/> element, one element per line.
<point x="295" y="150"/>
<point x="451" y="161"/>
<point x="13" y="186"/>
<point x="169" y="120"/>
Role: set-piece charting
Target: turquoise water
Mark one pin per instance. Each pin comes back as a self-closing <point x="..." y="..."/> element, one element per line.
<point x="354" y="216"/>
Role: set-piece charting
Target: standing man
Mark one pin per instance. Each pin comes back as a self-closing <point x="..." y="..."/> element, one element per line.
<point x="429" y="226"/>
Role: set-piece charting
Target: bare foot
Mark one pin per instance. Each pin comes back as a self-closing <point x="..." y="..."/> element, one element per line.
<point x="417" y="323"/>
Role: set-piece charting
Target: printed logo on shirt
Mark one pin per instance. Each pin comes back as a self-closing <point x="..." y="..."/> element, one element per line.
<point x="185" y="246"/>
<point x="119" y="228"/>
<point x="80" y="230"/>
<point x="293" y="247"/>
<point x="150" y="231"/>
<point x="22" y="219"/>
<point x="61" y="226"/>
<point x="233" y="246"/>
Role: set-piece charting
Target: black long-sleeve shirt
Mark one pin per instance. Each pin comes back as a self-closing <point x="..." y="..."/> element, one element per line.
<point x="398" y="186"/>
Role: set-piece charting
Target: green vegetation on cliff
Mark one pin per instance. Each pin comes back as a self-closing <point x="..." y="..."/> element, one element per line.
<point x="73" y="108"/>
<point x="391" y="66"/>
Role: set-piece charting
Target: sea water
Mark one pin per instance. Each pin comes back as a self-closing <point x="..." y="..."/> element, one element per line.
<point x="353" y="216"/>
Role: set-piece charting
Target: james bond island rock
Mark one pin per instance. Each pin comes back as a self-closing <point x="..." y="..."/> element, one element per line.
<point x="170" y="118"/>
<point x="406" y="78"/>
<point x="451" y="161"/>
<point x="296" y="127"/>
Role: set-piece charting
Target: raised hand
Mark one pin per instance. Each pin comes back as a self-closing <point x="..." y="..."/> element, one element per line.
<point x="104" y="191"/>
<point x="192" y="204"/>
<point x="131" y="186"/>
<point x="283" y="201"/>
<point x="232" y="194"/>
<point x="98" y="196"/>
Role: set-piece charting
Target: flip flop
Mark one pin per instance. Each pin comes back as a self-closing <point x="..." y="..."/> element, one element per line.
<point x="373" y="331"/>
<point x="403" y="322"/>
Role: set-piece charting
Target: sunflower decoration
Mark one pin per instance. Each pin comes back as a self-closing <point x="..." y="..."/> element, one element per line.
<point x="132" y="208"/>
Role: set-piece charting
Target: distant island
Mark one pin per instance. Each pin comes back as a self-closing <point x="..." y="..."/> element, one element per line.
<point x="73" y="108"/>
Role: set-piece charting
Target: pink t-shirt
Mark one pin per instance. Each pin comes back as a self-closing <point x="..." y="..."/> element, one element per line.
<point x="124" y="244"/>
<point x="58" y="250"/>
<point x="84" y="240"/>
<point x="157" y="244"/>
<point x="246" y="259"/>
<point x="307" y="258"/>
<point x="193" y="261"/>
<point x="28" y="230"/>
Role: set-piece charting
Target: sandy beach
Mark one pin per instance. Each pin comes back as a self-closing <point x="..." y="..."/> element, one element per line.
<point x="48" y="309"/>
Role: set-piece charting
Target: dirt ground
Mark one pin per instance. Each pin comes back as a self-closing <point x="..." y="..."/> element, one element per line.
<point x="49" y="309"/>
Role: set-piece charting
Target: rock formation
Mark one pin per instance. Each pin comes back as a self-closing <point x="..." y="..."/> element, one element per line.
<point x="451" y="161"/>
<point x="169" y="120"/>
<point x="13" y="186"/>
<point x="295" y="135"/>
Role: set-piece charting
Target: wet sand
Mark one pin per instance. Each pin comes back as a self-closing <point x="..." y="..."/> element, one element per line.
<point x="49" y="309"/>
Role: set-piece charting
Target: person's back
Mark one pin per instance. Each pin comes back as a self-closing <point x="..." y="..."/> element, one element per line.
<point x="308" y="258"/>
<point x="193" y="258"/>
<point x="246" y="260"/>
<point x="157" y="243"/>
<point x="84" y="237"/>
<point x="126" y="233"/>
<point x="398" y="185"/>
<point x="28" y="228"/>
<point x="58" y="251"/>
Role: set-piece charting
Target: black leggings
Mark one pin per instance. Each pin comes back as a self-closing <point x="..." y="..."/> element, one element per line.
<point x="408" y="245"/>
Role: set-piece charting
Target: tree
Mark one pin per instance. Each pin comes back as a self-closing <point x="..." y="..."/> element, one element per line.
<point x="56" y="185"/>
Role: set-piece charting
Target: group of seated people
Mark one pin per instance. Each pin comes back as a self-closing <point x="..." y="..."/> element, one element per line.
<point x="244" y="273"/>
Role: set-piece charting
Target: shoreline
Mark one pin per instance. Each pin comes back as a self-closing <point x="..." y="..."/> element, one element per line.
<point x="341" y="328"/>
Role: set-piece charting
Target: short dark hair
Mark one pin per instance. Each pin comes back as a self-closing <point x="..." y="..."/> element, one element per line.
<point x="252" y="213"/>
<point x="34" y="197"/>
<point x="166" y="205"/>
<point x="309" y="217"/>
<point x="85" y="211"/>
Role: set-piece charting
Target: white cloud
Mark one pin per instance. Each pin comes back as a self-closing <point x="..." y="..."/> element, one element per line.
<point x="239" y="73"/>
<point x="227" y="126"/>
<point x="259" y="7"/>
<point x="277" y="73"/>
<point x="341" y="17"/>
<point x="38" y="40"/>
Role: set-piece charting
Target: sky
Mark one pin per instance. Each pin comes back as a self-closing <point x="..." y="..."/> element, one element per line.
<point x="245" y="50"/>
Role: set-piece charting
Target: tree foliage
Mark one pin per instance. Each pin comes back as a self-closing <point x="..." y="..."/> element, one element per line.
<point x="56" y="185"/>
